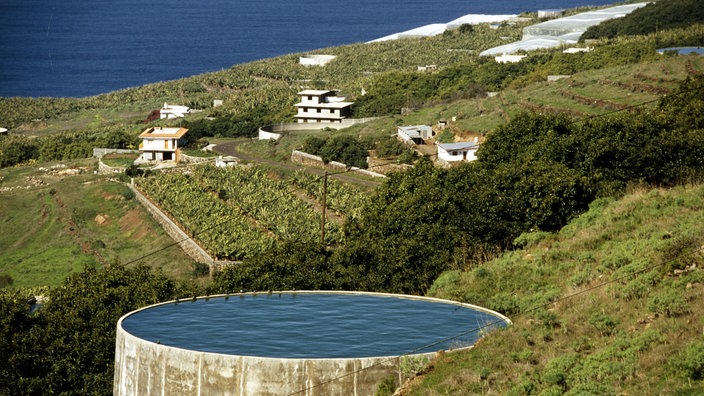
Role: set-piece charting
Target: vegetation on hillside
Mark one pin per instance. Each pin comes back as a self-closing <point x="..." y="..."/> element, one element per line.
<point x="60" y="218"/>
<point x="607" y="305"/>
<point x="655" y="16"/>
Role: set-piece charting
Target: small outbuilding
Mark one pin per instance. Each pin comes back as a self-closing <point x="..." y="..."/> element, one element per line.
<point x="316" y="60"/>
<point x="173" y="111"/>
<point x="225" y="161"/>
<point x="414" y="134"/>
<point x="506" y="58"/>
<point x="456" y="152"/>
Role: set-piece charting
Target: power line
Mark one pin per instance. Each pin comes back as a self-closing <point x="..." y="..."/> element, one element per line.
<point x="495" y="323"/>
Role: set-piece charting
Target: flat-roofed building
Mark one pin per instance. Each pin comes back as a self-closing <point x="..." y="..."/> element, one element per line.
<point x="161" y="144"/>
<point x="322" y="106"/>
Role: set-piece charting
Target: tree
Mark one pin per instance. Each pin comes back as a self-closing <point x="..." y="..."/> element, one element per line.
<point x="68" y="345"/>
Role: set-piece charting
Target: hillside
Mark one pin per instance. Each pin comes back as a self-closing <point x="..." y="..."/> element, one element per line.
<point x="607" y="305"/>
<point x="59" y="218"/>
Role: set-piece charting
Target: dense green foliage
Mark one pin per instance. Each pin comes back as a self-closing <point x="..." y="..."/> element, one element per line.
<point x="654" y="17"/>
<point x="18" y="149"/>
<point x="346" y="149"/>
<point x="389" y="93"/>
<point x="236" y="212"/>
<point x="67" y="346"/>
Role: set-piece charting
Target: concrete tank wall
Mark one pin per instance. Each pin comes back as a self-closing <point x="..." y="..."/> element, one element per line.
<point x="145" y="368"/>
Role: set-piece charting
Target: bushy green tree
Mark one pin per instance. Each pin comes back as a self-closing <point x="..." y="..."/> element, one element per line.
<point x="68" y="345"/>
<point x="290" y="266"/>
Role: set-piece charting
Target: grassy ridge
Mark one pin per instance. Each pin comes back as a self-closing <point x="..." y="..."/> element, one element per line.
<point x="607" y="305"/>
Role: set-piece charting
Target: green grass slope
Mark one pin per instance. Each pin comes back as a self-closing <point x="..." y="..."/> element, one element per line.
<point x="608" y="305"/>
<point x="56" y="220"/>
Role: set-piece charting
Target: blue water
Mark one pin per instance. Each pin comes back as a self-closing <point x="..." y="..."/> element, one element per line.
<point x="301" y="325"/>
<point x="77" y="48"/>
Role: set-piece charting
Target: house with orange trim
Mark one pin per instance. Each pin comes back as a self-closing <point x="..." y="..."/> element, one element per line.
<point x="162" y="143"/>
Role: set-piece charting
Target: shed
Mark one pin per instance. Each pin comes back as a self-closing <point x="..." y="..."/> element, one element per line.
<point x="455" y="152"/>
<point x="414" y="134"/>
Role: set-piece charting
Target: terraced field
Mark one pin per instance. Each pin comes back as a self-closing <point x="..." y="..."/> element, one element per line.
<point x="583" y="94"/>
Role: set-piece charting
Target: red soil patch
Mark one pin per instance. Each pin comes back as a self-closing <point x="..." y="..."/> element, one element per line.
<point x="133" y="223"/>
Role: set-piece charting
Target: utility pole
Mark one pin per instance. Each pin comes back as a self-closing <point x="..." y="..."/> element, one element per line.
<point x="325" y="193"/>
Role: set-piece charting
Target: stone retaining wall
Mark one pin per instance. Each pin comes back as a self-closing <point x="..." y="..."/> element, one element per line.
<point x="275" y="131"/>
<point x="100" y="152"/>
<point x="105" y="169"/>
<point x="303" y="158"/>
<point x="189" y="246"/>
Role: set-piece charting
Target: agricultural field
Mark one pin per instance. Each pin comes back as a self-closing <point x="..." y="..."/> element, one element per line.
<point x="588" y="93"/>
<point x="235" y="213"/>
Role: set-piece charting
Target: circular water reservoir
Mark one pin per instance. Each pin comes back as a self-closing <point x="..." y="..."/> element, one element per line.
<point x="285" y="342"/>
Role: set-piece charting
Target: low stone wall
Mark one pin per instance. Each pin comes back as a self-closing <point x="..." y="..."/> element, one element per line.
<point x="300" y="157"/>
<point x="105" y="169"/>
<point x="194" y="160"/>
<point x="189" y="246"/>
<point x="100" y="152"/>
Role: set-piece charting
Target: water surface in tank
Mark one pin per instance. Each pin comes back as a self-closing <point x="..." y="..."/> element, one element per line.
<point x="312" y="325"/>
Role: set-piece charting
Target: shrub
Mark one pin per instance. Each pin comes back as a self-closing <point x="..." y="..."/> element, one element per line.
<point x="605" y="324"/>
<point x="201" y="269"/>
<point x="448" y="283"/>
<point x="387" y="386"/>
<point x="5" y="280"/>
<point x="557" y="370"/>
<point x="692" y="362"/>
<point x="528" y="239"/>
<point x="127" y="194"/>
<point x="389" y="147"/>
<point x="446" y="136"/>
<point x="669" y="302"/>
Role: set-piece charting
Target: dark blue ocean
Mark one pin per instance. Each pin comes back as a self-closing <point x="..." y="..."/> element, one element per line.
<point x="77" y="48"/>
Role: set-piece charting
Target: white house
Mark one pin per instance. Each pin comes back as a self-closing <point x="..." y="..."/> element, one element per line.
<point x="455" y="152"/>
<point x="161" y="144"/>
<point x="322" y="106"/>
<point x="173" y="111"/>
<point x="414" y="134"/>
